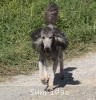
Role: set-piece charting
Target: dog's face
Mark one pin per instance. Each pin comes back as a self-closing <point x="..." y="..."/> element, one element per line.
<point x="47" y="39"/>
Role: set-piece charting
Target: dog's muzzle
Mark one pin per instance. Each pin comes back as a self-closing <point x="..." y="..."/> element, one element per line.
<point x="47" y="50"/>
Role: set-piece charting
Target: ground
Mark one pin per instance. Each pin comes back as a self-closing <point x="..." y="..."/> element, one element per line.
<point x="79" y="83"/>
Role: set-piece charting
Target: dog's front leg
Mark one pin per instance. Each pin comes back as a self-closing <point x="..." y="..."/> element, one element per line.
<point x="51" y="79"/>
<point x="42" y="69"/>
<point x="61" y="66"/>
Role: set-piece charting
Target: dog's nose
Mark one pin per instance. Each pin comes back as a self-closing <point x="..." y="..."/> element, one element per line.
<point x="47" y="50"/>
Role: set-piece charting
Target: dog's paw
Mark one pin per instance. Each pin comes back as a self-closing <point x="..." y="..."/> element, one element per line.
<point x="44" y="81"/>
<point x="49" y="89"/>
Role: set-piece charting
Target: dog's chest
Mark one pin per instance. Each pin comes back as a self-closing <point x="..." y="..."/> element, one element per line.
<point x="51" y="55"/>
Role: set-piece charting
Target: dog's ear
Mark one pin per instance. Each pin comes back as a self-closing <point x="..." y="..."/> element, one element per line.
<point x="36" y="38"/>
<point x="60" y="38"/>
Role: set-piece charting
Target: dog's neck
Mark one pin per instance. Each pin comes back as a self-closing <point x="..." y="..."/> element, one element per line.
<point x="51" y="26"/>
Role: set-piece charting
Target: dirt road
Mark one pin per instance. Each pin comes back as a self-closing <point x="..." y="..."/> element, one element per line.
<point x="79" y="83"/>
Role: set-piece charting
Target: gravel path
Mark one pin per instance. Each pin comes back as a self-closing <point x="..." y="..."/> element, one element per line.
<point x="79" y="83"/>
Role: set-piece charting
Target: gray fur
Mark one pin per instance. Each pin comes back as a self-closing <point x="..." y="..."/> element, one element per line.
<point x="55" y="41"/>
<point x="50" y="43"/>
<point x="58" y="38"/>
<point x="51" y="13"/>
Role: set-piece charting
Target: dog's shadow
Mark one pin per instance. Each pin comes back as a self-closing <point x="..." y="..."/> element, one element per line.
<point x="68" y="78"/>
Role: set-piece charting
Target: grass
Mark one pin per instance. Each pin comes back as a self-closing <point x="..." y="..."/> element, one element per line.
<point x="76" y="18"/>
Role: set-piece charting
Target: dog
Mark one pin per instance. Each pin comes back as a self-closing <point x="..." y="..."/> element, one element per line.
<point x="49" y="42"/>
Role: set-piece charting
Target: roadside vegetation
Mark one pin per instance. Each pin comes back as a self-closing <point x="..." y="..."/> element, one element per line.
<point x="77" y="18"/>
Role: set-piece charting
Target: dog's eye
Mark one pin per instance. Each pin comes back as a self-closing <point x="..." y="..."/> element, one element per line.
<point x="50" y="37"/>
<point x="43" y="37"/>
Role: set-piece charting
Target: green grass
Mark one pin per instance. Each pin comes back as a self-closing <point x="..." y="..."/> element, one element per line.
<point x="18" y="17"/>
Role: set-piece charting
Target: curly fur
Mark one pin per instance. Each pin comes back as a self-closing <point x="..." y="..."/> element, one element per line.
<point x="50" y="42"/>
<point x="59" y="39"/>
<point x="51" y="13"/>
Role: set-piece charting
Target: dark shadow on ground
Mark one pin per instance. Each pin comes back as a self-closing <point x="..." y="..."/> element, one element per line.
<point x="68" y="78"/>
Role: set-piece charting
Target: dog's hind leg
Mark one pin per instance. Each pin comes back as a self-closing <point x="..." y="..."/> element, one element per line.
<point x="51" y="79"/>
<point x="42" y="69"/>
<point x="61" y="66"/>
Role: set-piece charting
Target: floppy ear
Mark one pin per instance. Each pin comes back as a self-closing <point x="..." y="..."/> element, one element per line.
<point x="60" y="38"/>
<point x="36" y="39"/>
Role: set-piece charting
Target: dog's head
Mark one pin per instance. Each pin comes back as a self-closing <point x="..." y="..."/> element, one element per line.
<point x="47" y="38"/>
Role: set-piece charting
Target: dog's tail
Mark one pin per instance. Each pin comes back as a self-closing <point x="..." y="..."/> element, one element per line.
<point x="51" y="13"/>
